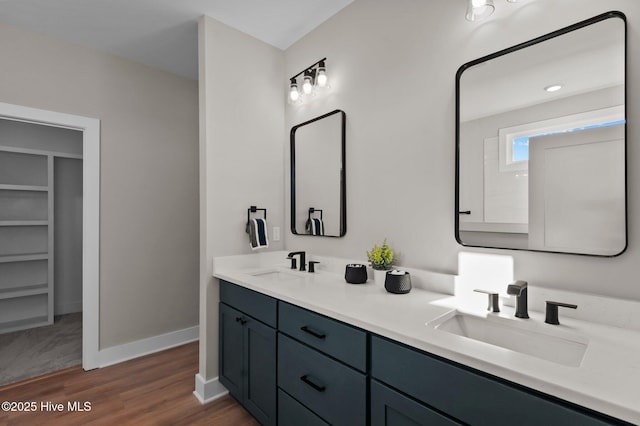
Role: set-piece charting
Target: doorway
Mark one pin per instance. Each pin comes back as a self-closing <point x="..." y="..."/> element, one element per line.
<point x="90" y="129"/>
<point x="40" y="249"/>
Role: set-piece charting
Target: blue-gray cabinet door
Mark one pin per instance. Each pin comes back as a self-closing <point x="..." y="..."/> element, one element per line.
<point x="468" y="395"/>
<point x="260" y="371"/>
<point x="231" y="350"/>
<point x="247" y="362"/>
<point x="391" y="408"/>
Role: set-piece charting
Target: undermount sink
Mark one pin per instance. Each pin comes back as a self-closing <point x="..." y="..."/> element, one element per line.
<point x="535" y="339"/>
<point x="278" y="276"/>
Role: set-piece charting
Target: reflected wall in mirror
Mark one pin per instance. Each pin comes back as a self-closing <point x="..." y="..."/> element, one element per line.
<point x="318" y="197"/>
<point x="540" y="143"/>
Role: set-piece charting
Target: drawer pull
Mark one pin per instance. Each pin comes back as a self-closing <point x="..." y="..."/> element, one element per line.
<point x="308" y="380"/>
<point x="241" y="320"/>
<point x="314" y="333"/>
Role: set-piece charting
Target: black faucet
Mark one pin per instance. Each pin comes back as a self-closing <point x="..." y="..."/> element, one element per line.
<point x="303" y="259"/>
<point x="519" y="289"/>
<point x="551" y="316"/>
<point x="312" y="265"/>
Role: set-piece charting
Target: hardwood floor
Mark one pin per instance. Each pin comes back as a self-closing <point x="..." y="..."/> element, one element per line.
<point x="153" y="390"/>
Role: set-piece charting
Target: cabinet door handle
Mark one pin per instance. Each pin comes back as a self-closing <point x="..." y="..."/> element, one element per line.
<point x="238" y="319"/>
<point x="308" y="380"/>
<point x="241" y="320"/>
<point x="465" y="212"/>
<point x="314" y="333"/>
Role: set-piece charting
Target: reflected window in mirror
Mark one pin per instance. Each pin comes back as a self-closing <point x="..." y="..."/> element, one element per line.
<point x="540" y="143"/>
<point x="318" y="188"/>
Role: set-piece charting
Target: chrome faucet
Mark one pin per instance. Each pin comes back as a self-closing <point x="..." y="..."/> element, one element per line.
<point x="519" y="289"/>
<point x="494" y="301"/>
<point x="303" y="259"/>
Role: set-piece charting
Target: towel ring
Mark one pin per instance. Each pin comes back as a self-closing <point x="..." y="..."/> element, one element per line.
<point x="314" y="210"/>
<point x="254" y="209"/>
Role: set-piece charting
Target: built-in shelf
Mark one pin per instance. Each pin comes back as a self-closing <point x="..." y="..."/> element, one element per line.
<point x="24" y="257"/>
<point x="24" y="222"/>
<point x="23" y="187"/>
<point x="31" y="290"/>
<point x="9" y="326"/>
<point x="26" y="235"/>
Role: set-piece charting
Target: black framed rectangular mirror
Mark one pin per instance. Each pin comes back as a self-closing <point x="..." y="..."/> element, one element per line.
<point x="318" y="187"/>
<point x="541" y="143"/>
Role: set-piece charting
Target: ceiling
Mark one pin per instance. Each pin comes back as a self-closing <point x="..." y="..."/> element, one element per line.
<point x="164" y="33"/>
<point x="583" y="61"/>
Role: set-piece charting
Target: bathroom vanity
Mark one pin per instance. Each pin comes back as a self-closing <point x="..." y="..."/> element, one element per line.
<point x="301" y="348"/>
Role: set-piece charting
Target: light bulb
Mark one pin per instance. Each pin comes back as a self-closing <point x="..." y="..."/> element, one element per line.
<point x="321" y="79"/>
<point x="294" y="95"/>
<point x="306" y="85"/>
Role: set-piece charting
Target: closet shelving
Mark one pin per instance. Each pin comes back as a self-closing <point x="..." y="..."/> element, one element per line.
<point x="26" y="238"/>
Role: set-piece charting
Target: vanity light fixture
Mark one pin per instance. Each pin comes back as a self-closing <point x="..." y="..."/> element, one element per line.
<point x="313" y="77"/>
<point x="553" y="88"/>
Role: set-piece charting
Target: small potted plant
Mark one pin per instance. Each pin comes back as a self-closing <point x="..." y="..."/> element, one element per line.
<point x="381" y="258"/>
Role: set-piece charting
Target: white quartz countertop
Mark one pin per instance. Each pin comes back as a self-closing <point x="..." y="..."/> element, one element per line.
<point x="607" y="380"/>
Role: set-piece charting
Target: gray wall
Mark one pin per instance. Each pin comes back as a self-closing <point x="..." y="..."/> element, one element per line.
<point x="148" y="171"/>
<point x="67" y="240"/>
<point x="392" y="67"/>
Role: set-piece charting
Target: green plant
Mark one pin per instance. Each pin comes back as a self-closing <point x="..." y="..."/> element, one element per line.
<point x="381" y="257"/>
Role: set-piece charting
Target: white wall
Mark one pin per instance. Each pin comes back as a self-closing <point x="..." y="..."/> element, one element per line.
<point x="148" y="171"/>
<point x="241" y="161"/>
<point x="392" y="67"/>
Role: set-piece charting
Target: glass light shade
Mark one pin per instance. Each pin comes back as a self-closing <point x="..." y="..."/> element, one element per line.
<point x="321" y="79"/>
<point x="479" y="9"/>
<point x="306" y="85"/>
<point x="294" y="95"/>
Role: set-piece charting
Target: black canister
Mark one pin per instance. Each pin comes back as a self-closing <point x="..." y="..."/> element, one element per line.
<point x="355" y="273"/>
<point x="398" y="282"/>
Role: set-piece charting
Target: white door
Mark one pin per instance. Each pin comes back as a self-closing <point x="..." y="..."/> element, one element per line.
<point x="577" y="191"/>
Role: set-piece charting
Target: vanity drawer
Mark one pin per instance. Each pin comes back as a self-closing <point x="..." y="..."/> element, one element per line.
<point x="292" y="413"/>
<point x="261" y="307"/>
<point x="469" y="396"/>
<point x="335" y="392"/>
<point x="339" y="340"/>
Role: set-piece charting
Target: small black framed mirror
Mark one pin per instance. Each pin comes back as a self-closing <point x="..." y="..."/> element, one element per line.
<point x="318" y="185"/>
<point x="541" y="143"/>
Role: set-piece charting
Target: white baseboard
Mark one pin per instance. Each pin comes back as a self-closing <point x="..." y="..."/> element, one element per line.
<point x="208" y="390"/>
<point x="121" y="353"/>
